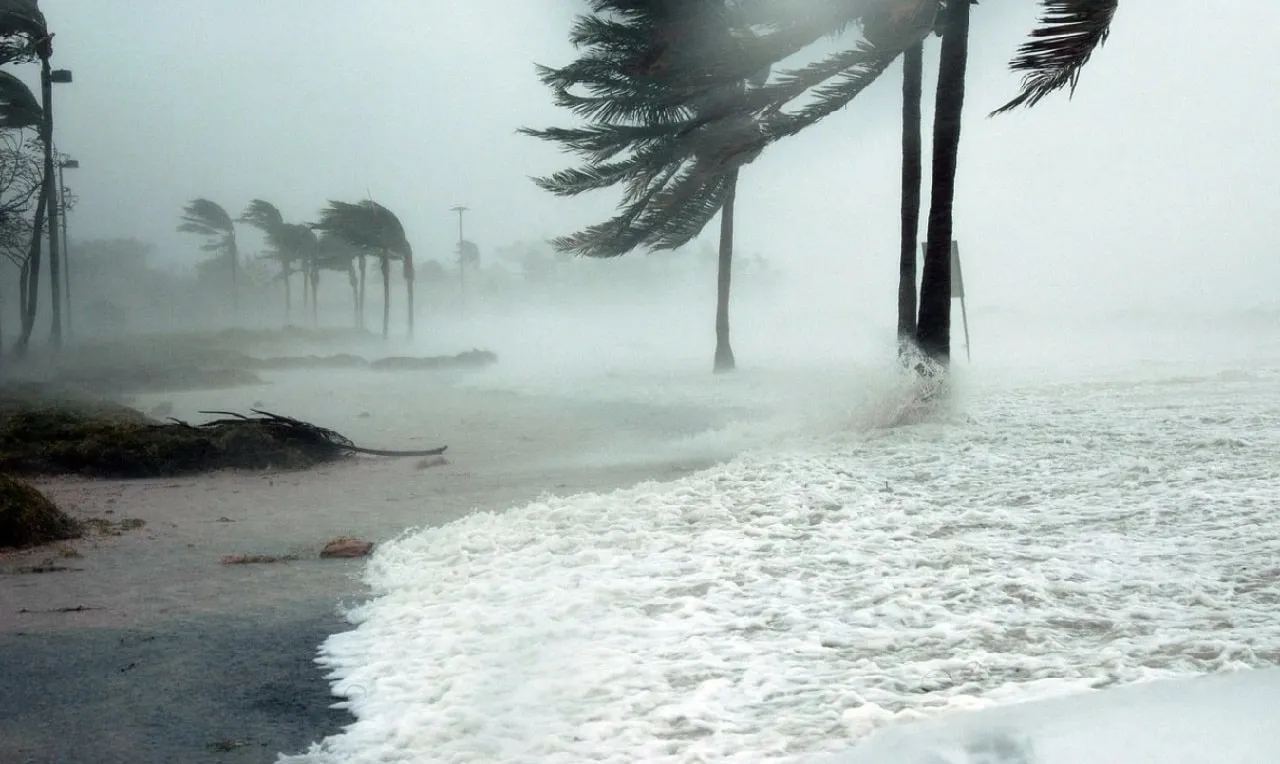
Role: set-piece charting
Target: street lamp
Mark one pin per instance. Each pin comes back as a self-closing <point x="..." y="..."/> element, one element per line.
<point x="66" y="163"/>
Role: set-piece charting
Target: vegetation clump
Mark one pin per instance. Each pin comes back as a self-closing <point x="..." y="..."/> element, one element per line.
<point x="28" y="518"/>
<point x="108" y="440"/>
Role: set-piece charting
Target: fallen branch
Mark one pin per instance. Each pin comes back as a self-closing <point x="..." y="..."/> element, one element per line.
<point x="310" y="433"/>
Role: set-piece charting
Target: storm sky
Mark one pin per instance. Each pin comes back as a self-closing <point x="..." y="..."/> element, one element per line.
<point x="1156" y="186"/>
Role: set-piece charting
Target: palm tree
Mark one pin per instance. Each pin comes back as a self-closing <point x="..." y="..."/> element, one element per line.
<point x="933" y="328"/>
<point x="292" y="244"/>
<point x="376" y="230"/>
<point x="670" y="172"/>
<point x="210" y="220"/>
<point x="653" y="80"/>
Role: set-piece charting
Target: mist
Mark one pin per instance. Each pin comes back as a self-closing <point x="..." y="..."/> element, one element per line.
<point x="1151" y="191"/>
<point x="581" y="542"/>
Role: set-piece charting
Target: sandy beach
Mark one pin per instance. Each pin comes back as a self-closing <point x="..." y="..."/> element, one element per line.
<point x="145" y="648"/>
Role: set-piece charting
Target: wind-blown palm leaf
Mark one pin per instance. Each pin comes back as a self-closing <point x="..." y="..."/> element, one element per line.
<point x="367" y="225"/>
<point x="21" y="26"/>
<point x="22" y="18"/>
<point x="263" y="215"/>
<point x="206" y="217"/>
<point x="1067" y="36"/>
<point x="18" y="105"/>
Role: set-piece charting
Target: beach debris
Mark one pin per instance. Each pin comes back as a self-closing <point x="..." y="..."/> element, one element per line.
<point x="98" y="438"/>
<point x="431" y="461"/>
<point x="29" y="518"/>
<point x="257" y="559"/>
<point x="346" y="547"/>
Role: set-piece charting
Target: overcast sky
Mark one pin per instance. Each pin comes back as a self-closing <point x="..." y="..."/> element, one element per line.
<point x="1158" y="184"/>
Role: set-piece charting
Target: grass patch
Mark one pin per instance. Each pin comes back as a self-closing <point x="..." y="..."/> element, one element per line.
<point x="28" y="518"/>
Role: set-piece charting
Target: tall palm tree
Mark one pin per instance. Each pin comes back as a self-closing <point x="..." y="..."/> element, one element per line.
<point x="376" y="230"/>
<point x="670" y="173"/>
<point x="210" y="220"/>
<point x="662" y="115"/>
<point x="933" y="328"/>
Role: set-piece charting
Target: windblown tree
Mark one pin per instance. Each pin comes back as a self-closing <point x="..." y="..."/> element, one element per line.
<point x="24" y="182"/>
<point x="372" y="228"/>
<point x="292" y="246"/>
<point x="670" y="112"/>
<point x="24" y="37"/>
<point x="210" y="220"/>
<point x="671" y="166"/>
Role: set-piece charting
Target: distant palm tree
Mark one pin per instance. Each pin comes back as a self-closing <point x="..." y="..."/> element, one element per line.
<point x="292" y="245"/>
<point x="376" y="230"/>
<point x="210" y="220"/>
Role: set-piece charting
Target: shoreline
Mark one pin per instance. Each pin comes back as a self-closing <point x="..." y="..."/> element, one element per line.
<point x="176" y="657"/>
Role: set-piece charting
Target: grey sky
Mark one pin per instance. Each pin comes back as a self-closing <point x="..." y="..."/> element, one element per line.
<point x="1157" y="183"/>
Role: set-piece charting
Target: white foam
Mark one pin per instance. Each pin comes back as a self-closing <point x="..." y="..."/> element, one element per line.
<point x="1049" y="538"/>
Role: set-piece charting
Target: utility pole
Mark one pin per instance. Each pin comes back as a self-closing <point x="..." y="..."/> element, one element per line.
<point x="66" y="163"/>
<point x="462" y="260"/>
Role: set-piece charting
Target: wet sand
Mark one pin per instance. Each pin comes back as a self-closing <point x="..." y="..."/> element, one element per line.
<point x="149" y="650"/>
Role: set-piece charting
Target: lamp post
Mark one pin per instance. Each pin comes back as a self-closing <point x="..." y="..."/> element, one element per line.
<point x="462" y="262"/>
<point x="66" y="163"/>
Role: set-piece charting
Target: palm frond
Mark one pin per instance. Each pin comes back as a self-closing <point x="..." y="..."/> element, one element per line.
<point x="18" y="105"/>
<point x="262" y="215"/>
<point x="210" y="215"/>
<point x="366" y="225"/>
<point x="1068" y="34"/>
<point x="22" y="18"/>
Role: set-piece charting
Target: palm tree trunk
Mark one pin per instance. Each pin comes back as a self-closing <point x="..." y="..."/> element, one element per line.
<point x="306" y="287"/>
<point x="912" y="84"/>
<point x="355" y="291"/>
<point x="234" y="253"/>
<point x="51" y="191"/>
<point x="314" y="278"/>
<point x="288" y="296"/>
<point x="933" y="333"/>
<point x="32" y="282"/>
<point x="360" y="323"/>
<point x="408" y="286"/>
<point x="384" y="265"/>
<point x="724" y="273"/>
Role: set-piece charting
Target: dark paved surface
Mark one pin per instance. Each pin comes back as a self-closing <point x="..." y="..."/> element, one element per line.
<point x="190" y="691"/>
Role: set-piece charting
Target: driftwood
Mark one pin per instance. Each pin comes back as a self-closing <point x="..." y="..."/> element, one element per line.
<point x="288" y="427"/>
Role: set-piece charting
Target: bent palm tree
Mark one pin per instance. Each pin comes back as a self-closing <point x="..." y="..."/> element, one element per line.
<point x="292" y="245"/>
<point x="664" y="118"/>
<point x="672" y="167"/>
<point x="376" y="230"/>
<point x="209" y="219"/>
